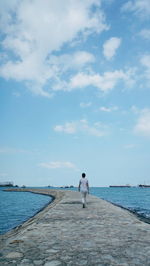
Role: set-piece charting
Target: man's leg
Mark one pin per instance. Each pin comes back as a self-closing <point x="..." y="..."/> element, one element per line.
<point x="85" y="194"/>
<point x="83" y="198"/>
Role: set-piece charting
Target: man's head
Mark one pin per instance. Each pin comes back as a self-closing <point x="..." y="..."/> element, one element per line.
<point x="83" y="175"/>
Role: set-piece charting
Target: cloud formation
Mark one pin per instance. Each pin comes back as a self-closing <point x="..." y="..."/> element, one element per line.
<point x="110" y="47"/>
<point x="85" y="105"/>
<point x="108" y="109"/>
<point x="73" y="61"/>
<point x="145" y="61"/>
<point x="82" y="126"/>
<point x="140" y="8"/>
<point x="142" y="126"/>
<point x="57" y="164"/>
<point x="32" y="33"/>
<point x="104" y="82"/>
<point x="145" y="33"/>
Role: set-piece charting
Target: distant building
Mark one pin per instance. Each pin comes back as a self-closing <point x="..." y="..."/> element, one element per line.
<point x="6" y="184"/>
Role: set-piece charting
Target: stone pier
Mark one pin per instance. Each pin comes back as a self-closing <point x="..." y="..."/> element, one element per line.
<point x="65" y="234"/>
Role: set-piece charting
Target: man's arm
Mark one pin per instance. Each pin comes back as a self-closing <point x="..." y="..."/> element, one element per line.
<point x="88" y="187"/>
<point x="79" y="186"/>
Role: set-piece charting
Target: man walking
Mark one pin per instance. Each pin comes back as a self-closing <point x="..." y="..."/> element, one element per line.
<point x="83" y="188"/>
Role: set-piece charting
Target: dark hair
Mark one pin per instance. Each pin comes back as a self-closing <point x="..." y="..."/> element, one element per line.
<point x="83" y="175"/>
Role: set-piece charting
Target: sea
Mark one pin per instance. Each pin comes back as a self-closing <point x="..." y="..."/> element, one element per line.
<point x="18" y="207"/>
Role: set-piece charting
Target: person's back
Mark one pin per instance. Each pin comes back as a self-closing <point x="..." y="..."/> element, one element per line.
<point x="83" y="185"/>
<point x="84" y="188"/>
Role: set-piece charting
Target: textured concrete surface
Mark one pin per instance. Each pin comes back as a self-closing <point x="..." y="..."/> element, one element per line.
<point x="66" y="234"/>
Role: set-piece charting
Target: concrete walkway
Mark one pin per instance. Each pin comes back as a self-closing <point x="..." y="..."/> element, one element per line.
<point x="66" y="234"/>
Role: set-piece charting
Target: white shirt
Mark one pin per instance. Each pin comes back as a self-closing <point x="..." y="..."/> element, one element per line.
<point x="83" y="185"/>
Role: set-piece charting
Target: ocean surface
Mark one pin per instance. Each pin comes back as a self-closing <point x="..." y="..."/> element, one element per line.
<point x="17" y="207"/>
<point x="134" y="199"/>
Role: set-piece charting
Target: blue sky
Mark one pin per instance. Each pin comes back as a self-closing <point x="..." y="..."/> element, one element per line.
<point x="75" y="92"/>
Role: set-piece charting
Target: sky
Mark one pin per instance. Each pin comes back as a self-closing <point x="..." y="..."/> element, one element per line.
<point x="75" y="92"/>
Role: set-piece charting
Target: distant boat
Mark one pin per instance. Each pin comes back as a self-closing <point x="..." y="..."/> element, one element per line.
<point x="144" y="185"/>
<point x="121" y="186"/>
<point x="64" y="187"/>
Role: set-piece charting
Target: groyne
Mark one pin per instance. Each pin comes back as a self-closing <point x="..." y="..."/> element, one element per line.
<point x="66" y="234"/>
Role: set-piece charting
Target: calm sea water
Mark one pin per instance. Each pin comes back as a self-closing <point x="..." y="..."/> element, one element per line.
<point x="17" y="207"/>
<point x="134" y="199"/>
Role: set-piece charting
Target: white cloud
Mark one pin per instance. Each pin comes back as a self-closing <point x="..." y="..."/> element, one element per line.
<point x="33" y="30"/>
<point x="97" y="129"/>
<point x="110" y="47"/>
<point x="74" y="61"/>
<point x="58" y="164"/>
<point x="145" y="61"/>
<point x="138" y="7"/>
<point x="142" y="126"/>
<point x="69" y="127"/>
<point x="108" y="109"/>
<point x="85" y="105"/>
<point x="145" y="33"/>
<point x="81" y="58"/>
<point x="104" y="82"/>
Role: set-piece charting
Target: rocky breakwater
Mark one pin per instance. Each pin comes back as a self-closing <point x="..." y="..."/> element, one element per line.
<point x="66" y="234"/>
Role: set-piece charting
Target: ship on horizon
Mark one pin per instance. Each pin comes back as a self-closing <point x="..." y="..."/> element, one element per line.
<point x="120" y="186"/>
<point x="142" y="185"/>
